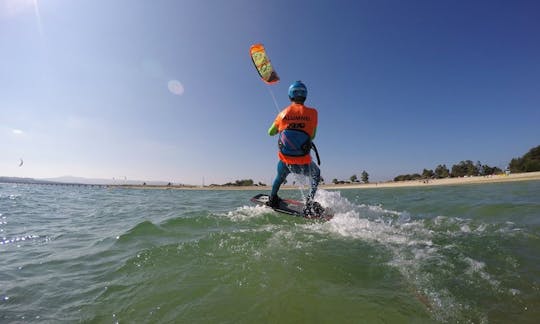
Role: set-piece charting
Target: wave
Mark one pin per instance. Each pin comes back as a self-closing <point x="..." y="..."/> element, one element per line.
<point x="431" y="254"/>
<point x="158" y="256"/>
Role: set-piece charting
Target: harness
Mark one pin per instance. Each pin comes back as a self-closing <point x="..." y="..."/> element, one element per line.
<point x="294" y="142"/>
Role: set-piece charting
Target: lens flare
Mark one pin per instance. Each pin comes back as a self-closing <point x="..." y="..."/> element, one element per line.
<point x="175" y="87"/>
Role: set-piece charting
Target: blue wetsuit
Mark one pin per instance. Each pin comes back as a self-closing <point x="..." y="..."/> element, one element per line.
<point x="310" y="170"/>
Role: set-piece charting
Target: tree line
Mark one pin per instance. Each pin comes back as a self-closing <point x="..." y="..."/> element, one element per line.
<point x="463" y="169"/>
<point x="527" y="163"/>
<point x="240" y="183"/>
<point x="364" y="178"/>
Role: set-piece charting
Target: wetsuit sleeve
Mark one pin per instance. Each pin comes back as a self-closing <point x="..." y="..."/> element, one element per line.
<point x="273" y="130"/>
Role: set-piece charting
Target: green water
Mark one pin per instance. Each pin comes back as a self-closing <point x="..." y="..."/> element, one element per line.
<point x="456" y="254"/>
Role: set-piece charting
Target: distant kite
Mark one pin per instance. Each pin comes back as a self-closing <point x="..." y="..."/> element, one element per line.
<point x="21" y="162"/>
<point x="262" y="64"/>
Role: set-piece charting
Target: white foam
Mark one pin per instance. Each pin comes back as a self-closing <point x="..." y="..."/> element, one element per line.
<point x="248" y="212"/>
<point x="350" y="221"/>
<point x="333" y="199"/>
<point x="411" y="244"/>
<point x="5" y="240"/>
<point x="478" y="268"/>
<point x="514" y="292"/>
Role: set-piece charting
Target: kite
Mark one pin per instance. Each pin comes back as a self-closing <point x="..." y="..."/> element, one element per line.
<point x="21" y="162"/>
<point x="262" y="64"/>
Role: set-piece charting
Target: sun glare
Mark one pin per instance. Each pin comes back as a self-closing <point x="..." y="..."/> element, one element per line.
<point x="12" y="8"/>
<point x="175" y="87"/>
<point x="15" y="7"/>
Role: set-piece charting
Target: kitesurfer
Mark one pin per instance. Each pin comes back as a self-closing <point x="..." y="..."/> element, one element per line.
<point x="296" y="126"/>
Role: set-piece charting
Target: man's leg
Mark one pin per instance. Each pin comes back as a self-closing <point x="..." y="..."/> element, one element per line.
<point x="313" y="208"/>
<point x="314" y="177"/>
<point x="282" y="173"/>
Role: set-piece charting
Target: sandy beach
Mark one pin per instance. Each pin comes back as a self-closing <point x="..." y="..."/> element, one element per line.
<point x="441" y="182"/>
<point x="390" y="184"/>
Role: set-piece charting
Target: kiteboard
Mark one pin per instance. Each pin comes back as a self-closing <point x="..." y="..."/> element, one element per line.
<point x="293" y="207"/>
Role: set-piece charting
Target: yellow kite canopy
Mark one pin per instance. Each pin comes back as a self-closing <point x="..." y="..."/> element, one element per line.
<point x="262" y="64"/>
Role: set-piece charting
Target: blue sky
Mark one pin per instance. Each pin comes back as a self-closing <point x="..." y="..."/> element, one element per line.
<point x="165" y="90"/>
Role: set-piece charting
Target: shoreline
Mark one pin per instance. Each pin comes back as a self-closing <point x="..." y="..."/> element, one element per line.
<point x="528" y="176"/>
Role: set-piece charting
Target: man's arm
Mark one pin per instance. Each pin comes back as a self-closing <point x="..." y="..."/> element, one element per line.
<point x="273" y="130"/>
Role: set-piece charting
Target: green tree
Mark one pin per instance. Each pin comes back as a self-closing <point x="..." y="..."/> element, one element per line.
<point x="441" y="171"/>
<point x="239" y="183"/>
<point x="529" y="162"/>
<point x="464" y="168"/>
<point x="478" y="168"/>
<point x="408" y="177"/>
<point x="428" y="174"/>
<point x="354" y="178"/>
<point x="365" y="177"/>
<point x="335" y="181"/>
<point x="244" y="182"/>
<point x="487" y="170"/>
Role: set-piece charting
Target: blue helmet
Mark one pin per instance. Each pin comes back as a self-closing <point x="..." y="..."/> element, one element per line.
<point x="298" y="92"/>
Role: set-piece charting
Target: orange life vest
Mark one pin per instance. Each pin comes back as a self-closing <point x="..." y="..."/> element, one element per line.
<point x="301" y="118"/>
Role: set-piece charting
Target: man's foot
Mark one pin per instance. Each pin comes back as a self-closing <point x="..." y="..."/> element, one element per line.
<point x="313" y="209"/>
<point x="273" y="201"/>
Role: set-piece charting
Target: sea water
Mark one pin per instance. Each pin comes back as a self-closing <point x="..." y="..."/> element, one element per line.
<point x="448" y="254"/>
